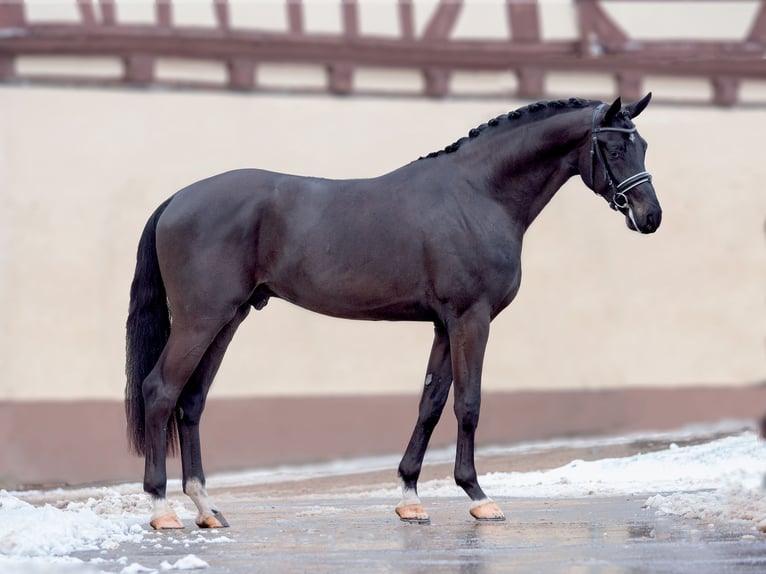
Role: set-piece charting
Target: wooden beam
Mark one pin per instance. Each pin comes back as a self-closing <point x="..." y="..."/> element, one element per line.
<point x="524" y="20"/>
<point x="295" y="23"/>
<point x="725" y="90"/>
<point x="598" y="32"/>
<point x="757" y="31"/>
<point x="436" y="82"/>
<point x="12" y="15"/>
<point x="629" y="85"/>
<point x="87" y="14"/>
<point x="108" y="12"/>
<point x="241" y="73"/>
<point x="340" y="79"/>
<point x="222" y="14"/>
<point x="350" y="16"/>
<point x="531" y="81"/>
<point x="407" y="19"/>
<point x="7" y="67"/>
<point x="164" y="13"/>
<point x="139" y="69"/>
<point x="444" y="18"/>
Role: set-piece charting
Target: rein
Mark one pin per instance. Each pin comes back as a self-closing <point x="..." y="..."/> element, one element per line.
<point x="619" y="198"/>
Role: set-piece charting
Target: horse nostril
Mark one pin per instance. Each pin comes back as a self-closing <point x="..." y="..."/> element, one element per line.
<point x="653" y="221"/>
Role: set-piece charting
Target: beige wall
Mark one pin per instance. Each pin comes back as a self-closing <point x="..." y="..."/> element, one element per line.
<point x="81" y="170"/>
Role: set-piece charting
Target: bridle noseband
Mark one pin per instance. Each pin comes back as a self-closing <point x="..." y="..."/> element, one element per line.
<point x="619" y="198"/>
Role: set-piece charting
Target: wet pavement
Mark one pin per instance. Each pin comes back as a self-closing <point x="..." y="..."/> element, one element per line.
<point x="581" y="536"/>
<point x="311" y="526"/>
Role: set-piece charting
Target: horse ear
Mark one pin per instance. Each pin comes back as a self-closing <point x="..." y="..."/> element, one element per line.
<point x="637" y="107"/>
<point x="612" y="112"/>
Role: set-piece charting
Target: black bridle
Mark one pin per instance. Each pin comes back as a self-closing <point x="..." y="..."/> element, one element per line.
<point x="619" y="198"/>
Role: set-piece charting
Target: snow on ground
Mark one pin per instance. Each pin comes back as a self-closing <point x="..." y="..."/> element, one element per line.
<point x="717" y="481"/>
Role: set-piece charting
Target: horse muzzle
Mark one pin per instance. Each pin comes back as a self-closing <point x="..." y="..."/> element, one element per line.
<point x="644" y="221"/>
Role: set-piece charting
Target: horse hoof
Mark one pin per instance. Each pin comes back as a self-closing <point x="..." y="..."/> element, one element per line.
<point x="413" y="513"/>
<point x="166" y="522"/>
<point x="213" y="520"/>
<point x="488" y="512"/>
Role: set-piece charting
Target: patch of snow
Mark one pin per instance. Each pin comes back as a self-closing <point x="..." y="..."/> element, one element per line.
<point x="189" y="562"/>
<point x="29" y="531"/>
<point x="736" y="461"/>
<point x="376" y="463"/>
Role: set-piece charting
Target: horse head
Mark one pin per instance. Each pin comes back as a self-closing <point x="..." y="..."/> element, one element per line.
<point x="615" y="162"/>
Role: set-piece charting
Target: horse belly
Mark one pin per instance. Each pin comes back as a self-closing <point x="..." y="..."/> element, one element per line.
<point x="359" y="295"/>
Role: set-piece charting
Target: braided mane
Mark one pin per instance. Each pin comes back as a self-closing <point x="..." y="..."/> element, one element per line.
<point x="520" y="116"/>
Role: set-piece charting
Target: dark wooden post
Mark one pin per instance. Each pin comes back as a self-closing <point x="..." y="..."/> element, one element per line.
<point x="629" y="85"/>
<point x="524" y="21"/>
<point x="757" y="31"/>
<point x="437" y="30"/>
<point x="139" y="69"/>
<point x="295" y="23"/>
<point x="407" y="19"/>
<point x="222" y="15"/>
<point x="11" y="16"/>
<point x="725" y="90"/>
<point x="241" y="73"/>
<point x="87" y="15"/>
<point x="340" y="75"/>
<point x="108" y="12"/>
<point x="164" y="11"/>
<point x="598" y="32"/>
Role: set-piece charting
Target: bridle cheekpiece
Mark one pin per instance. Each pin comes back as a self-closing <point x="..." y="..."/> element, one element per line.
<point x="619" y="198"/>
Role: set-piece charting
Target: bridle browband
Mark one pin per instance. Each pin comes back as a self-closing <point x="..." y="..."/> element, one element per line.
<point x="619" y="198"/>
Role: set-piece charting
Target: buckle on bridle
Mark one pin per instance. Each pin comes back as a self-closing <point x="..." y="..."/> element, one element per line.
<point x="620" y="199"/>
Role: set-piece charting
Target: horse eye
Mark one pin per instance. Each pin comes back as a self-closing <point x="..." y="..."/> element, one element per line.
<point x="614" y="154"/>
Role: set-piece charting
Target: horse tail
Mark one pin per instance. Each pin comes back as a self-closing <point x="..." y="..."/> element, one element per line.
<point x="148" y="330"/>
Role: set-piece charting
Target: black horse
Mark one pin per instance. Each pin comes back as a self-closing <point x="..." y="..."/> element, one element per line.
<point x="436" y="240"/>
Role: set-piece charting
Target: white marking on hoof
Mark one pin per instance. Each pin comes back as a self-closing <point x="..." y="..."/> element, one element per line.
<point x="410" y="508"/>
<point x="208" y="516"/>
<point x="486" y="510"/>
<point x="163" y="516"/>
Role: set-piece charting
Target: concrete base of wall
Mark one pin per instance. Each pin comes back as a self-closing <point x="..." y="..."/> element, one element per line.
<point x="84" y="442"/>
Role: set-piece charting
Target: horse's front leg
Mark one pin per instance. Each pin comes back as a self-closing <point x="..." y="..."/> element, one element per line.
<point x="468" y="340"/>
<point x="435" y="392"/>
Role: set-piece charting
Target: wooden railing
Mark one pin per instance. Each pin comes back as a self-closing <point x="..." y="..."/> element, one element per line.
<point x="601" y="46"/>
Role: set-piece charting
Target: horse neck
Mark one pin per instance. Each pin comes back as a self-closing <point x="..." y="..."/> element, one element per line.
<point x="524" y="167"/>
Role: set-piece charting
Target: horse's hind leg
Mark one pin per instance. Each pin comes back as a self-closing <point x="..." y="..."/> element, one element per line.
<point x="435" y="393"/>
<point x="189" y="409"/>
<point x="161" y="390"/>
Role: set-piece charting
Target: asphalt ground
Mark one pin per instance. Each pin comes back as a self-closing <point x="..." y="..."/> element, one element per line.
<point x="328" y="525"/>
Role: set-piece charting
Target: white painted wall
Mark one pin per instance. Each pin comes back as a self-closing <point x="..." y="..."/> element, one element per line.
<point x="82" y="169"/>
